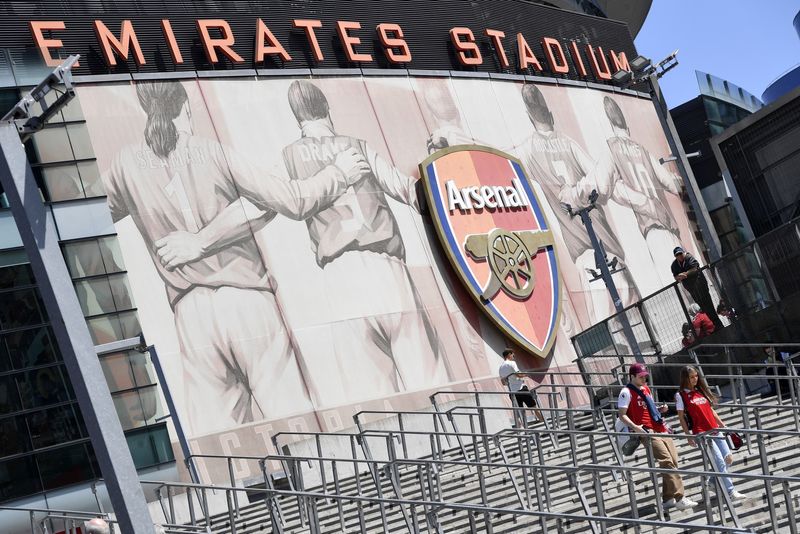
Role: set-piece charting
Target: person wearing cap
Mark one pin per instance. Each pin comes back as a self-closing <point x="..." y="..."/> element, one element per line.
<point x="638" y="411"/>
<point x="686" y="270"/>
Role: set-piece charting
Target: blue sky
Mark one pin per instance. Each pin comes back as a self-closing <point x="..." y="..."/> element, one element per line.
<point x="748" y="42"/>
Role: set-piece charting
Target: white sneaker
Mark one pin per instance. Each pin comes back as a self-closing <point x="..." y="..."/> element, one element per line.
<point x="669" y="504"/>
<point x="737" y="496"/>
<point x="685" y="503"/>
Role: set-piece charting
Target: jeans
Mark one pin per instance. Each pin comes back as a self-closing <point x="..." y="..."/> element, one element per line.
<point x="718" y="449"/>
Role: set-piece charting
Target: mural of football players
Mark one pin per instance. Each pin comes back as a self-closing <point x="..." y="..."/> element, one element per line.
<point x="556" y="161"/>
<point x="388" y="339"/>
<point x="630" y="175"/>
<point x="183" y="191"/>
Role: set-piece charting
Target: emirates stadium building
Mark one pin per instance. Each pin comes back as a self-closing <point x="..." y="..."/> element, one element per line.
<point x="311" y="209"/>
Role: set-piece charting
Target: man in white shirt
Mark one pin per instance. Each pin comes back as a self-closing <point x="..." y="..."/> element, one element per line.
<point x="511" y="377"/>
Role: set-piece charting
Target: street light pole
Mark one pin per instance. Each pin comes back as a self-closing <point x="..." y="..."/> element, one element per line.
<point x="605" y="273"/>
<point x="40" y="237"/>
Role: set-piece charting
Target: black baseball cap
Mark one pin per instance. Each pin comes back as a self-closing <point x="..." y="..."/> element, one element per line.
<point x="677" y="250"/>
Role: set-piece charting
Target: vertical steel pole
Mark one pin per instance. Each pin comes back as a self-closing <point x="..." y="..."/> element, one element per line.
<point x="600" y="261"/>
<point x="39" y="235"/>
<point x="173" y="412"/>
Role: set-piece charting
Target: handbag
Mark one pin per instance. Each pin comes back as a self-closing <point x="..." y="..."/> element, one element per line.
<point x="629" y="441"/>
<point x="735" y="441"/>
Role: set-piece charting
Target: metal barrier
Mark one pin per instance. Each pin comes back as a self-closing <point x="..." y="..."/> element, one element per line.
<point x="749" y="279"/>
<point x="541" y="479"/>
<point x="59" y="520"/>
<point x="430" y="506"/>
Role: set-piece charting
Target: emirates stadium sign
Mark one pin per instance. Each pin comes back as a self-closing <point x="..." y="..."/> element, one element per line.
<point x="494" y="231"/>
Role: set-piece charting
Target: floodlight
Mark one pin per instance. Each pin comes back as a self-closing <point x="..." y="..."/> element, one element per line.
<point x="622" y="78"/>
<point x="640" y="63"/>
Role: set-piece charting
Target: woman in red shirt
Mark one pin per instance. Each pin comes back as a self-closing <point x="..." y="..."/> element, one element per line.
<point x="700" y="321"/>
<point x="696" y="400"/>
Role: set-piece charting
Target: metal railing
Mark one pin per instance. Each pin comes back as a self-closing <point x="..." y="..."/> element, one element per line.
<point x="437" y="460"/>
<point x="749" y="279"/>
<point x="54" y="520"/>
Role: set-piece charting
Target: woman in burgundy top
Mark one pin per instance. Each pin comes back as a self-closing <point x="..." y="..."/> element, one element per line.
<point x="696" y="401"/>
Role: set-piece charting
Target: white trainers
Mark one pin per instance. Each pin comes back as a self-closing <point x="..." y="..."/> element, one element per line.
<point x="737" y="496"/>
<point x="685" y="503"/>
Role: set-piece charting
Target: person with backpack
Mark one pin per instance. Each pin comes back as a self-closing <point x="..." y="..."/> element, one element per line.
<point x="638" y="411"/>
<point x="695" y="405"/>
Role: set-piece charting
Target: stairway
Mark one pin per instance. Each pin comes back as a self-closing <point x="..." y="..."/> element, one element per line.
<point x="460" y="485"/>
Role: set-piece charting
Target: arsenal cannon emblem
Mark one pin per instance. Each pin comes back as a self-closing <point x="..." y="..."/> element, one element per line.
<point x="494" y="232"/>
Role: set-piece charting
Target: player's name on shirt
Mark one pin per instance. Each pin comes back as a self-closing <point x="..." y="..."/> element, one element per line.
<point x="550" y="145"/>
<point x="492" y="197"/>
<point x="629" y="148"/>
<point x="322" y="150"/>
<point x="182" y="156"/>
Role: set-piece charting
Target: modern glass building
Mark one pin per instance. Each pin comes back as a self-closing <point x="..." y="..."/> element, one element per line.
<point x="44" y="447"/>
<point x="720" y="105"/>
<point x="762" y="156"/>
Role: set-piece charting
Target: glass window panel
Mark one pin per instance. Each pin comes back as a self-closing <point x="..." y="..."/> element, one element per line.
<point x="130" y="324"/>
<point x="151" y="404"/>
<point x="64" y="466"/>
<point x="112" y="254"/>
<point x="142" y="449"/>
<point x="138" y="408"/>
<point x="117" y="371"/>
<point x="42" y="387"/>
<point x="29" y="348"/>
<point x="121" y="291"/>
<point x="13" y="436"/>
<point x="18" y="477"/>
<point x="9" y="258"/>
<point x="84" y="258"/>
<point x="160" y="437"/>
<point x="150" y="446"/>
<point x="73" y="111"/>
<point x="52" y="144"/>
<point x="129" y="409"/>
<point x="16" y="275"/>
<point x="9" y="395"/>
<point x="95" y="296"/>
<point x="20" y="308"/>
<point x="54" y="426"/>
<point x="79" y="138"/>
<point x="63" y="182"/>
<point x="105" y="329"/>
<point x="90" y="177"/>
<point x="143" y="373"/>
<point x="5" y="357"/>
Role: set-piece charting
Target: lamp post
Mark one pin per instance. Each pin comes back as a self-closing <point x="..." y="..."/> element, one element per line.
<point x="605" y="271"/>
<point x="643" y="71"/>
<point x="40" y="237"/>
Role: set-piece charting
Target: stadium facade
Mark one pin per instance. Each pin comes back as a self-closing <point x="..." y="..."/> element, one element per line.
<point x="238" y="181"/>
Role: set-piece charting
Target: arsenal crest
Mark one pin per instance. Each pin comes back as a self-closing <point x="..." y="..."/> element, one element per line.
<point x="494" y="231"/>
